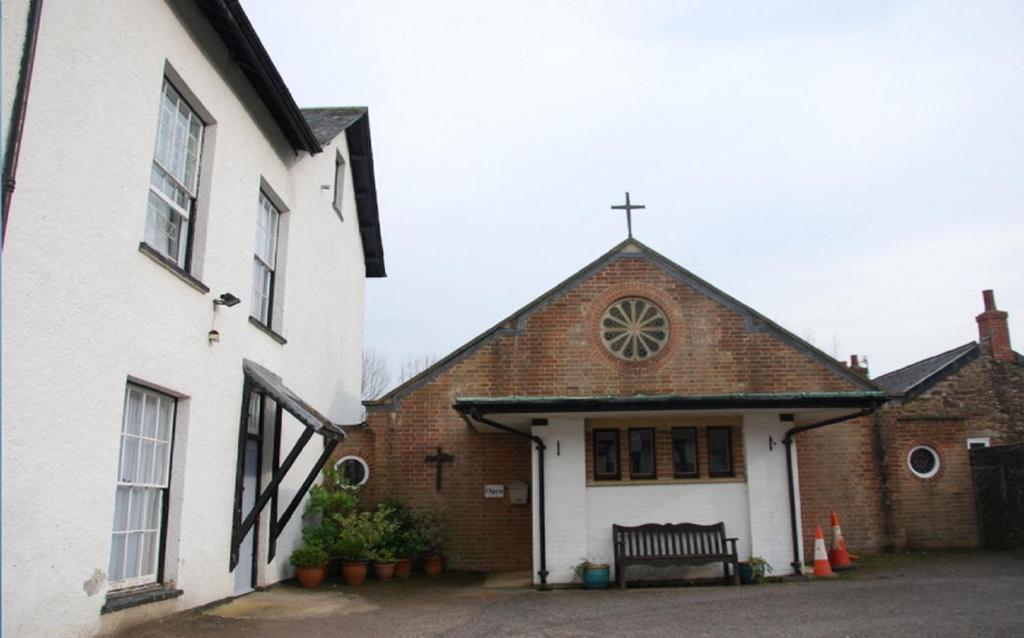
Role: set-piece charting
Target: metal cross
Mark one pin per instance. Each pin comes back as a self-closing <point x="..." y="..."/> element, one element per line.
<point x="439" y="458"/>
<point x="629" y="208"/>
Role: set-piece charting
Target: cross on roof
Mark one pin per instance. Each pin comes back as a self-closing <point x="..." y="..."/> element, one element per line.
<point x="629" y="208"/>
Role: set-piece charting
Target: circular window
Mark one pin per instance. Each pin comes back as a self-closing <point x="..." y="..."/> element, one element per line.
<point x="354" y="470"/>
<point x="923" y="461"/>
<point x="634" y="329"/>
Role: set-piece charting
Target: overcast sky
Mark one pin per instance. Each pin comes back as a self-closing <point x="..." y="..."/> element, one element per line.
<point x="853" y="170"/>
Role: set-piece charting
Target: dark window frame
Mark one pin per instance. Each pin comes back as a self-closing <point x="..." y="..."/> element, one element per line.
<point x="618" y="455"/>
<point x="653" y="474"/>
<point x="696" y="453"/>
<point x="729" y="448"/>
<point x="337" y="200"/>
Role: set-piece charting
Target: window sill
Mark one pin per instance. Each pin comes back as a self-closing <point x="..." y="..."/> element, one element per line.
<point x="267" y="330"/>
<point x="664" y="481"/>
<point x="174" y="268"/>
<point x="136" y="596"/>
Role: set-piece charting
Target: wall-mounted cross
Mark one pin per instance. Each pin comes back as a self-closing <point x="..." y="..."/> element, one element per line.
<point x="440" y="458"/>
<point x="629" y="208"/>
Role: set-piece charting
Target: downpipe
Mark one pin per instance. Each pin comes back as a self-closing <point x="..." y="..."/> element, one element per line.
<point x="788" y="442"/>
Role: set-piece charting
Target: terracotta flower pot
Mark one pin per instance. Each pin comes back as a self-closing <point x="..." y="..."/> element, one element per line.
<point x="433" y="565"/>
<point x="354" y="572"/>
<point x="311" y="577"/>
<point x="383" y="571"/>
<point x="403" y="567"/>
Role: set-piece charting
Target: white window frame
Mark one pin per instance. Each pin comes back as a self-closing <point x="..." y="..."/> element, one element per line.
<point x="264" y="267"/>
<point x="138" y="480"/>
<point x="357" y="459"/>
<point x="173" y="190"/>
<point x="934" y="470"/>
<point x="984" y="441"/>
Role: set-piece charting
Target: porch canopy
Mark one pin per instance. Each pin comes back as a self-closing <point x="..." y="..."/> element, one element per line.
<point x="266" y="382"/>
<point x="807" y="407"/>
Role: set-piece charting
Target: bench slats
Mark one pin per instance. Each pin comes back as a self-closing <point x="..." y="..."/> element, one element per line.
<point x="680" y="543"/>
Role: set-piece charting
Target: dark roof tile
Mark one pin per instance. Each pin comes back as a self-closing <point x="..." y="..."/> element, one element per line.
<point x="918" y="375"/>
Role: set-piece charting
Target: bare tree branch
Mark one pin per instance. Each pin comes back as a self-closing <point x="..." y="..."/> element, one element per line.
<point x="376" y="374"/>
<point x="412" y="366"/>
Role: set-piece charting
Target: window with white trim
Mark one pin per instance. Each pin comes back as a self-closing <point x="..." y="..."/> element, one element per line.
<point x="978" y="441"/>
<point x="143" y="479"/>
<point x="174" y="179"/>
<point x="354" y="470"/>
<point x="268" y="222"/>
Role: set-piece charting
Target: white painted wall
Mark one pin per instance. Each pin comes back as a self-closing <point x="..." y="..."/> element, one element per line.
<point x="702" y="503"/>
<point x="84" y="310"/>
<point x="565" y="486"/>
<point x="767" y="486"/>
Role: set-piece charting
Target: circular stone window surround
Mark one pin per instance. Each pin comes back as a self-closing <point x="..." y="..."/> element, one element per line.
<point x="924" y="461"/>
<point x="596" y="307"/>
<point x="360" y="461"/>
<point x="634" y="329"/>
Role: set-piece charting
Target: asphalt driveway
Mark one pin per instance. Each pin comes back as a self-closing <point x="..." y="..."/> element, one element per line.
<point x="969" y="594"/>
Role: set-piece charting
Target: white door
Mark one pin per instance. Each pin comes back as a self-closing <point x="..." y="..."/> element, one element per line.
<point x="246" y="552"/>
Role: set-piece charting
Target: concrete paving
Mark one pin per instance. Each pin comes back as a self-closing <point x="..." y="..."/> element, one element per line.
<point x="969" y="594"/>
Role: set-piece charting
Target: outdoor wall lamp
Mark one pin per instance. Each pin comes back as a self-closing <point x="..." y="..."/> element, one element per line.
<point x="227" y="299"/>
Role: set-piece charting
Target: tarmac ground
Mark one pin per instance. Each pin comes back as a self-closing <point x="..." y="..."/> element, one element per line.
<point x="919" y="594"/>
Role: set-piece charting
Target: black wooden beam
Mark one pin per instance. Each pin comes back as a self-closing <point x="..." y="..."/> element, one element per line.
<point x="279" y="525"/>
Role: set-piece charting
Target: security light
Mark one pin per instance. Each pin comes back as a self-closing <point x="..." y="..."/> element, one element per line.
<point x="227" y="299"/>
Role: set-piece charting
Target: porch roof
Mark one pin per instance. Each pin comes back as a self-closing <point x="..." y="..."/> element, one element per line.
<point x="641" y="402"/>
<point x="266" y="381"/>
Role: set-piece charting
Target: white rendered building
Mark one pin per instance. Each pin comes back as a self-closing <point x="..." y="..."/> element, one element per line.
<point x="184" y="262"/>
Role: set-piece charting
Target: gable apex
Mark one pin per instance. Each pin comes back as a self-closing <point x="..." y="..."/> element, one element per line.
<point x="630" y="248"/>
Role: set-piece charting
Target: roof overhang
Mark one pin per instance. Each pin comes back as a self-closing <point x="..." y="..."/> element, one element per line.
<point x="270" y="384"/>
<point x="232" y="25"/>
<point x="806" y="407"/>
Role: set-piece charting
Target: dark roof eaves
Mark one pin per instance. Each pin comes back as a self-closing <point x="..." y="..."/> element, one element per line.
<point x="231" y="23"/>
<point x="516" y="404"/>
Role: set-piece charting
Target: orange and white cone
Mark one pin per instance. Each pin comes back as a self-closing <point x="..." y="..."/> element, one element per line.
<point x="838" y="557"/>
<point x="821" y="566"/>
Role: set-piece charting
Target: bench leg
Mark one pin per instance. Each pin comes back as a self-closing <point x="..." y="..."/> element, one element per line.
<point x="620" y="576"/>
<point x="735" y="573"/>
<point x="725" y="570"/>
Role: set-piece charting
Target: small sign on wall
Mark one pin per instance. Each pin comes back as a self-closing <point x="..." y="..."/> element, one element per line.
<point x="494" y="491"/>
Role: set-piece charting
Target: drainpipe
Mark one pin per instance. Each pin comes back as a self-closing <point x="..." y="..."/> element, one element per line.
<point x="19" y="110"/>
<point x="788" y="441"/>
<point x="543" y="572"/>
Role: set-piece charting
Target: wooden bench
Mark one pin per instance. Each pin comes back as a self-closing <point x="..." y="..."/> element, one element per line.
<point x="673" y="544"/>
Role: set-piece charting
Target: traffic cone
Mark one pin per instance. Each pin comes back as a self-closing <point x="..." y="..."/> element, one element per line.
<point x="838" y="557"/>
<point x="821" y="566"/>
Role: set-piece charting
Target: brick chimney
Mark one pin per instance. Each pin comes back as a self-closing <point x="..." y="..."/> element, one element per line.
<point x="993" y="330"/>
<point x="856" y="367"/>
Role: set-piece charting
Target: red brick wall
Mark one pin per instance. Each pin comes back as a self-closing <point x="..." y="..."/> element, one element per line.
<point x="711" y="350"/>
<point x="985" y="398"/>
<point x="839" y="471"/>
<point x="860" y="469"/>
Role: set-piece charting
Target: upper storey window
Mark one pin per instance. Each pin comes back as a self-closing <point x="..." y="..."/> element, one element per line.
<point x="268" y="222"/>
<point x="174" y="179"/>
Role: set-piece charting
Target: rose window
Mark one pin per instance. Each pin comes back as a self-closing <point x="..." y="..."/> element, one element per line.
<point x="634" y="329"/>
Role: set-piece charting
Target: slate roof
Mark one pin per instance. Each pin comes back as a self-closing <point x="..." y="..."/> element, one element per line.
<point x="627" y="249"/>
<point x="329" y="122"/>
<point x="919" y="376"/>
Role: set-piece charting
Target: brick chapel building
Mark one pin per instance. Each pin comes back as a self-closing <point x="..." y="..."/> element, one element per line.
<point x="636" y="392"/>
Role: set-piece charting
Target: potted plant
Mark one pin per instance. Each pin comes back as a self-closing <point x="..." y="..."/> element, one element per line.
<point x="404" y="540"/>
<point x="754" y="570"/>
<point x="592" y="574"/>
<point x="310" y="561"/>
<point x="433" y="535"/>
<point x="360" y="536"/>
<point x="383" y="564"/>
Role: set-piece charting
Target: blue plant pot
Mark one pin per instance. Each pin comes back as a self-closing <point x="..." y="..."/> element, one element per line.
<point x="596" y="577"/>
<point x="746" y="574"/>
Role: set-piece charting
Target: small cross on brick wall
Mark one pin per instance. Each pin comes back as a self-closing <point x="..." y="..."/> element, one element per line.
<point x="440" y="458"/>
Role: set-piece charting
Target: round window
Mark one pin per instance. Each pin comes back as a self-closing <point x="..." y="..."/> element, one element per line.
<point x="634" y="329"/>
<point x="923" y="461"/>
<point x="354" y="470"/>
